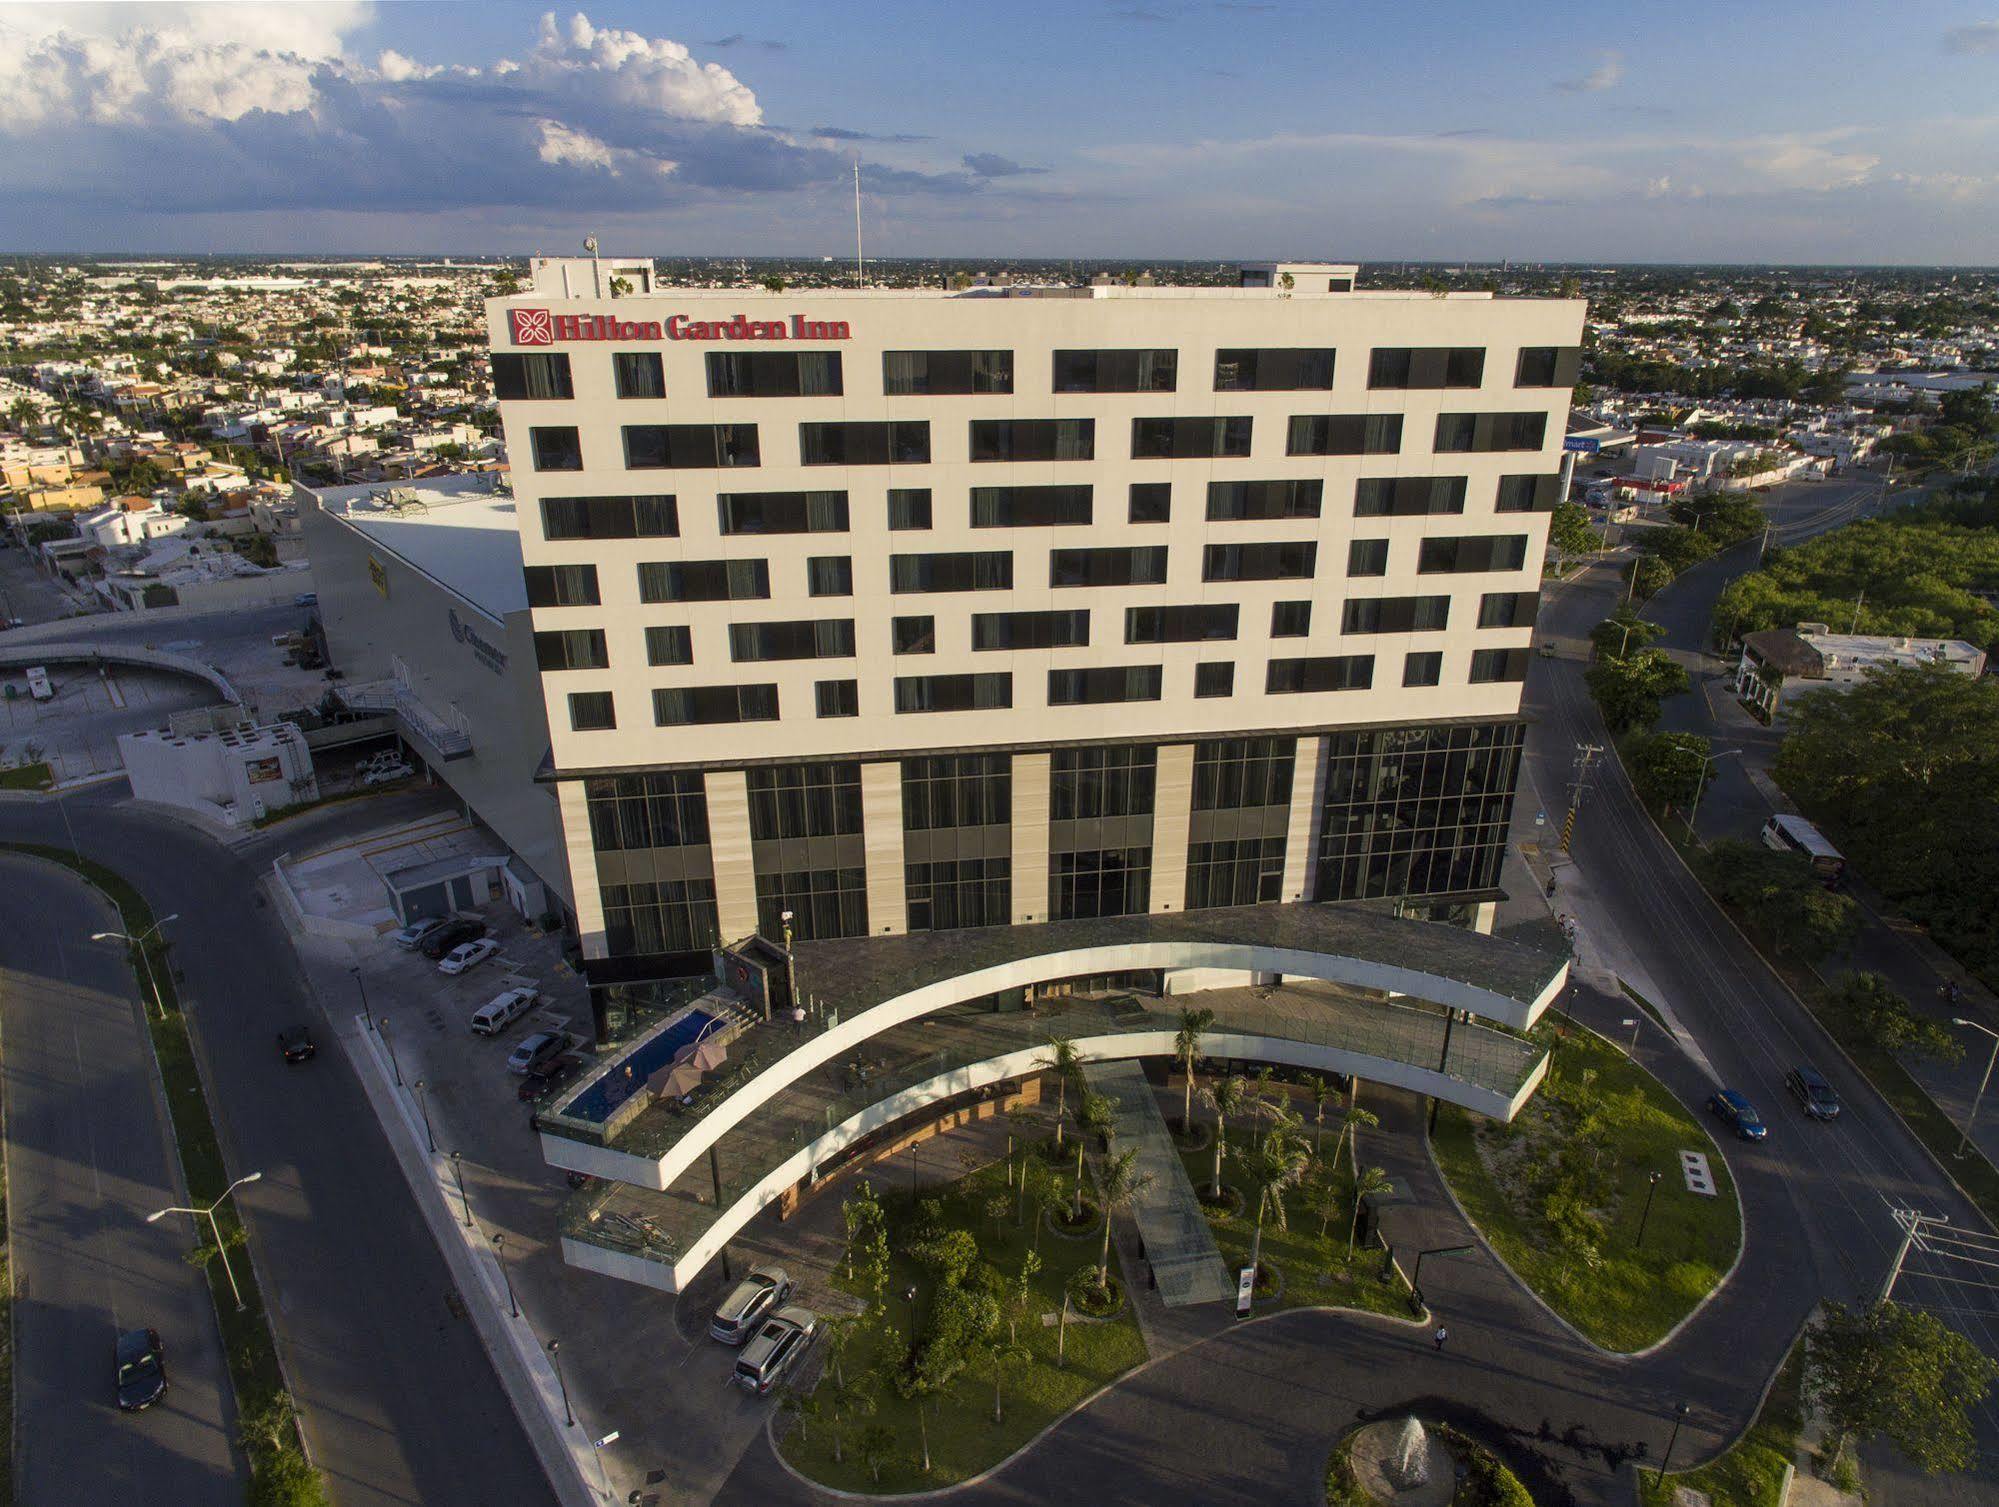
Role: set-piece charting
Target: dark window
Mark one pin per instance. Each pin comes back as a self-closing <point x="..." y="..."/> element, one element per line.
<point x="773" y="374"/>
<point x="652" y="447"/>
<point x="1508" y="609"/>
<point x="1239" y="774"/>
<point x="1480" y="433"/>
<point x="691" y="705"/>
<point x="1426" y="366"/>
<point x="1214" y="679"/>
<point x="782" y="512"/>
<point x="1151" y="501"/>
<point x="1491" y="665"/>
<point x="655" y="517"/>
<point x="1229" y="501"/>
<point x="1189" y="439"/>
<point x="571" y="649"/>
<point x="1139" y="565"/>
<point x="914" y="635"/>
<point x="969" y="570"/>
<point x="630" y="812"/>
<point x="1408" y="496"/>
<point x="1367" y="557"/>
<point x="1332" y="672"/>
<point x="1085" y="784"/>
<point x="1030" y="630"/>
<point x="1290" y="619"/>
<point x="953" y="693"/>
<point x="671" y="644"/>
<point x="1103" y="685"/>
<point x="941" y="791"/>
<point x="1259" y="562"/>
<point x="946" y="373"/>
<point x="1030" y="507"/>
<point x="1344" y="434"/>
<point x="562" y="585"/>
<point x="908" y="507"/>
<point x="962" y="892"/>
<point x="1191" y="623"/>
<point x="808" y="638"/>
<point x="669" y="916"/>
<point x="531" y="375"/>
<point x="1116" y="371"/>
<point x="1034" y="439"/>
<point x="703" y="580"/>
<point x="1471" y="553"/>
<point x="556" y="449"/>
<point x="824" y="903"/>
<point x="638" y="374"/>
<point x="791" y="801"/>
<point x="838" y="698"/>
<point x="1528" y="494"/>
<point x="1280" y="370"/>
<point x="591" y="711"/>
<point x="1104" y="882"/>
<point x="830" y="575"/>
<point x="1548" y="366"/>
<point x="1235" y="871"/>
<point x="1423" y="667"/>
<point x="1396" y="614"/>
<point x="864" y="443"/>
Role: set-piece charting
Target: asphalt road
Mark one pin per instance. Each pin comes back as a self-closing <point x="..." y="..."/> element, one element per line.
<point x="89" y="1156"/>
<point x="399" y="1401"/>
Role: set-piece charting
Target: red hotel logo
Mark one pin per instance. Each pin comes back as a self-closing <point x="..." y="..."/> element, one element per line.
<point x="542" y="327"/>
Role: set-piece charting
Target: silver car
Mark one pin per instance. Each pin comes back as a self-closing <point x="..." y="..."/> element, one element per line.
<point x="756" y="1295"/>
<point x="767" y="1359"/>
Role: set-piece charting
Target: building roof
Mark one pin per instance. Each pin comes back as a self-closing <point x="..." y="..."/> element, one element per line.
<point x="455" y="529"/>
<point x="1785" y="651"/>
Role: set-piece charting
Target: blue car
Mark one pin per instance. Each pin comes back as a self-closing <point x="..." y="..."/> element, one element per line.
<point x="1738" y="1113"/>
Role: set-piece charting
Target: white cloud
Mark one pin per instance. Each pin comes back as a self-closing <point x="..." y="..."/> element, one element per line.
<point x="563" y="144"/>
<point x="1606" y="75"/>
<point x="1977" y="37"/>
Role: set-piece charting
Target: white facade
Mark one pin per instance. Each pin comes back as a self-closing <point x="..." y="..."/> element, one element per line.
<point x="235" y="775"/>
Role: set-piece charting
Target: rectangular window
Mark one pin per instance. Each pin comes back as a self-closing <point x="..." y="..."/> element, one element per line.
<point x="531" y="375"/>
<point x="1033" y="439"/>
<point x="782" y="512"/>
<point x="1140" y="565"/>
<point x="1259" y="562"/>
<point x="963" y="892"/>
<point x="638" y="374"/>
<point x="571" y="649"/>
<point x="944" y="791"/>
<point x="1332" y="672"/>
<point x="953" y="693"/>
<point x="946" y="373"/>
<point x="1490" y="666"/>
<point x="1030" y="630"/>
<point x="914" y="635"/>
<point x="562" y="585"/>
<point x="669" y="644"/>
<point x="1279" y="370"/>
<point x="1116" y="371"/>
<point x="1190" y="439"/>
<point x="1235" y="871"/>
<point x="1233" y="501"/>
<point x="703" y="580"/>
<point x="830" y="575"/>
<point x="1528" y="494"/>
<point x="688" y="706"/>
<point x="1192" y="623"/>
<point x="652" y="517"/>
<point x="1396" y="614"/>
<point x="556" y="448"/>
<point x="774" y="374"/>
<point x="1214" y="679"/>
<point x="1471" y="553"/>
<point x="1367" y="557"/>
<point x="632" y="812"/>
<point x="1548" y="366"/>
<point x="1408" y="496"/>
<point x="789" y="802"/>
<point x="1103" y="685"/>
<point x="1151" y="502"/>
<point x="968" y="570"/>
<point x="670" y="916"/>
<point x="1423" y="667"/>
<point x="908" y="508"/>
<point x="837" y="698"/>
<point x="669" y="447"/>
<point x="1508" y="609"/>
<point x="806" y="638"/>
<point x="823" y="903"/>
<point x="1426" y="366"/>
<point x="1085" y="784"/>
<point x="1030" y="507"/>
<point x="1104" y="882"/>
<point x="1344" y="434"/>
<point x="864" y="443"/>
<point x="1485" y="433"/>
<point x="1290" y="619"/>
<point x="592" y="712"/>
<point x="1240" y="774"/>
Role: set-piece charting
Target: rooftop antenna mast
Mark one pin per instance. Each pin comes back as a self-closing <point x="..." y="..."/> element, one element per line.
<point x="860" y="275"/>
<point x="596" y="267"/>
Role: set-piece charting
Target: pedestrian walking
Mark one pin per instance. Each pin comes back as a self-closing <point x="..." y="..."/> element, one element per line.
<point x="1441" y="1335"/>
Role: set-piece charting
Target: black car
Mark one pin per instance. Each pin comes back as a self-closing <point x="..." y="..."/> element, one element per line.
<point x="451" y="934"/>
<point x="295" y="1044"/>
<point x="142" y="1369"/>
<point x="1814" y="1094"/>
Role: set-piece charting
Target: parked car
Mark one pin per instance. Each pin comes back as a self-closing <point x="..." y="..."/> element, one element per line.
<point x="537" y="1051"/>
<point x="539" y="1083"/>
<point x="503" y="1009"/>
<point x="766" y="1360"/>
<point x="142" y="1369"/>
<point x="412" y="935"/>
<point x="295" y="1044"/>
<point x="1739" y="1114"/>
<point x="467" y="956"/>
<point x="1810" y="1088"/>
<point x="458" y="930"/>
<point x="765" y="1288"/>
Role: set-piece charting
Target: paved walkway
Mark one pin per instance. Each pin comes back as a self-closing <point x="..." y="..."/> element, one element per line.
<point x="1179" y="1246"/>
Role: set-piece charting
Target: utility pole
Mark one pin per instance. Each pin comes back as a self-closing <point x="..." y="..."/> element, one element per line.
<point x="1910" y="1221"/>
<point x="1586" y="758"/>
<point x="860" y="273"/>
<point x="1860" y="602"/>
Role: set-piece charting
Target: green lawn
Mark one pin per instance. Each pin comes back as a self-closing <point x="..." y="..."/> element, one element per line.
<point x="1751" y="1473"/>
<point x="26" y="777"/>
<point x="1560" y="1194"/>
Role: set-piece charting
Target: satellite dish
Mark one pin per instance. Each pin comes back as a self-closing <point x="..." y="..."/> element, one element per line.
<point x="590" y="244"/>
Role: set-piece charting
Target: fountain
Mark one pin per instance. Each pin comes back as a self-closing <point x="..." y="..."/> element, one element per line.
<point x="1408" y="1461"/>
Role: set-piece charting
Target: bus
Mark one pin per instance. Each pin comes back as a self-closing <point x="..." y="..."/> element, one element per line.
<point x="1793" y="834"/>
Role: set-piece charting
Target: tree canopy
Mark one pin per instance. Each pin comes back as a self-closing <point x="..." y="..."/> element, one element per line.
<point x="1628" y="691"/>
<point x="1898" y="1373"/>
<point x="1781" y="897"/>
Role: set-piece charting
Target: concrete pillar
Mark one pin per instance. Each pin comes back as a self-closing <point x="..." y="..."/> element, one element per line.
<point x="1568" y="475"/>
<point x="881" y="817"/>
<point x="1172" y="814"/>
<point x="1301" y="835"/>
<point x="1030" y="837"/>
<point x="582" y="855"/>
<point x="728" y="793"/>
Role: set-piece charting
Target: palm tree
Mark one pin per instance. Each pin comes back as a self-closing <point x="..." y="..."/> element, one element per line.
<point x="1275" y="1161"/>
<point x="1050" y="1198"/>
<point x="1351" y="1123"/>
<point x="1099" y="1116"/>
<point x="1368" y="1182"/>
<point x="1321" y="1090"/>
<point x="876" y="1449"/>
<point x="1066" y="1063"/>
<point x="1118" y="1181"/>
<point x="1225" y="1097"/>
<point x="1187" y="1049"/>
<point x="1323" y="1196"/>
<point x="22" y="414"/>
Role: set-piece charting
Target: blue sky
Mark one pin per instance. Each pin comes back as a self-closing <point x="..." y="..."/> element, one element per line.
<point x="1196" y="128"/>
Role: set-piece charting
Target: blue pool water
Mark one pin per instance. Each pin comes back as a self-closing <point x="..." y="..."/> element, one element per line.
<point x="596" y="1102"/>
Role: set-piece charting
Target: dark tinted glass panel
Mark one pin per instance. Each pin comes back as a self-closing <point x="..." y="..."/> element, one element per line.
<point x="531" y="375"/>
<point x="562" y="585"/>
<point x="1471" y="553"/>
<point x="1103" y="684"/>
<point x="789" y="801"/>
<point x="1491" y="665"/>
<point x="962" y="892"/>
<point x="830" y="576"/>
<point x="571" y="649"/>
<point x="1425" y="667"/>
<point x="556" y="449"/>
<point x="1283" y="370"/>
<point x="1087" y="783"/>
<point x="953" y="693"/>
<point x="1105" y="882"/>
<point x="1548" y="366"/>
<point x="1344" y="434"/>
<point x="1484" y="433"/>
<point x="1508" y="609"/>
<point x="954" y="373"/>
<point x="1030" y="507"/>
<point x="837" y="698"/>
<point x="773" y="374"/>
<point x="629" y="812"/>
<point x="1528" y="494"/>
<point x="1367" y="557"/>
<point x="809" y="638"/>
<point x="1259" y="562"/>
<point x="651" y="517"/>
<point x="703" y="580"/>
<point x="1030" y="630"/>
<point x="1189" y="439"/>
<point x="1235" y="871"/>
<point x="1214" y="680"/>
<point x="670" y="916"/>
<point x="914" y="635"/>
<point x="782" y="512"/>
<point x="639" y="374"/>
<point x="1239" y="774"/>
<point x="1234" y="500"/>
<point x="864" y="444"/>
<point x="1142" y="565"/>
<point x="1151" y="501"/>
<point x="943" y="791"/>
<point x="1408" y="496"/>
<point x="971" y="570"/>
<point x="1033" y="439"/>
<point x="692" y="705"/>
<point x="1332" y="672"/>
<point x="1396" y="614"/>
<point x="1426" y="367"/>
<point x="1290" y="619"/>
<point x="670" y="644"/>
<point x="824" y="903"/>
<point x="1116" y="371"/>
<point x="689" y="446"/>
<point x="592" y="711"/>
<point x="909" y="507"/>
<point x="1192" y="623"/>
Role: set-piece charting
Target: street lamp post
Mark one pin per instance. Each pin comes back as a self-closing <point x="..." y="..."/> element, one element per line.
<point x="1700" y="785"/>
<point x="1972" y="1119"/>
<point x="790" y="963"/>
<point x="145" y="958"/>
<point x="458" y="1170"/>
<point x="555" y="1360"/>
<point x="382" y="1030"/>
<point x="423" y="1106"/>
<point x="500" y="1251"/>
<point x="215" y="1229"/>
<point x="1632" y="1021"/>
<point x="359" y="984"/>
<point x="1679" y="1417"/>
<point x="1651" y="1187"/>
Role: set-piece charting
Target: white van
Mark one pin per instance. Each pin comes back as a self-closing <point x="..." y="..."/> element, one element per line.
<point x="39" y="685"/>
<point x="502" y="1010"/>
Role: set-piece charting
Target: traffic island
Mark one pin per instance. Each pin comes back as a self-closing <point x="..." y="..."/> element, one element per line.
<point x="1407" y="1462"/>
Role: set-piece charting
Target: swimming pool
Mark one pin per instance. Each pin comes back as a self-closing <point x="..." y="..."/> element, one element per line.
<point x="601" y="1099"/>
